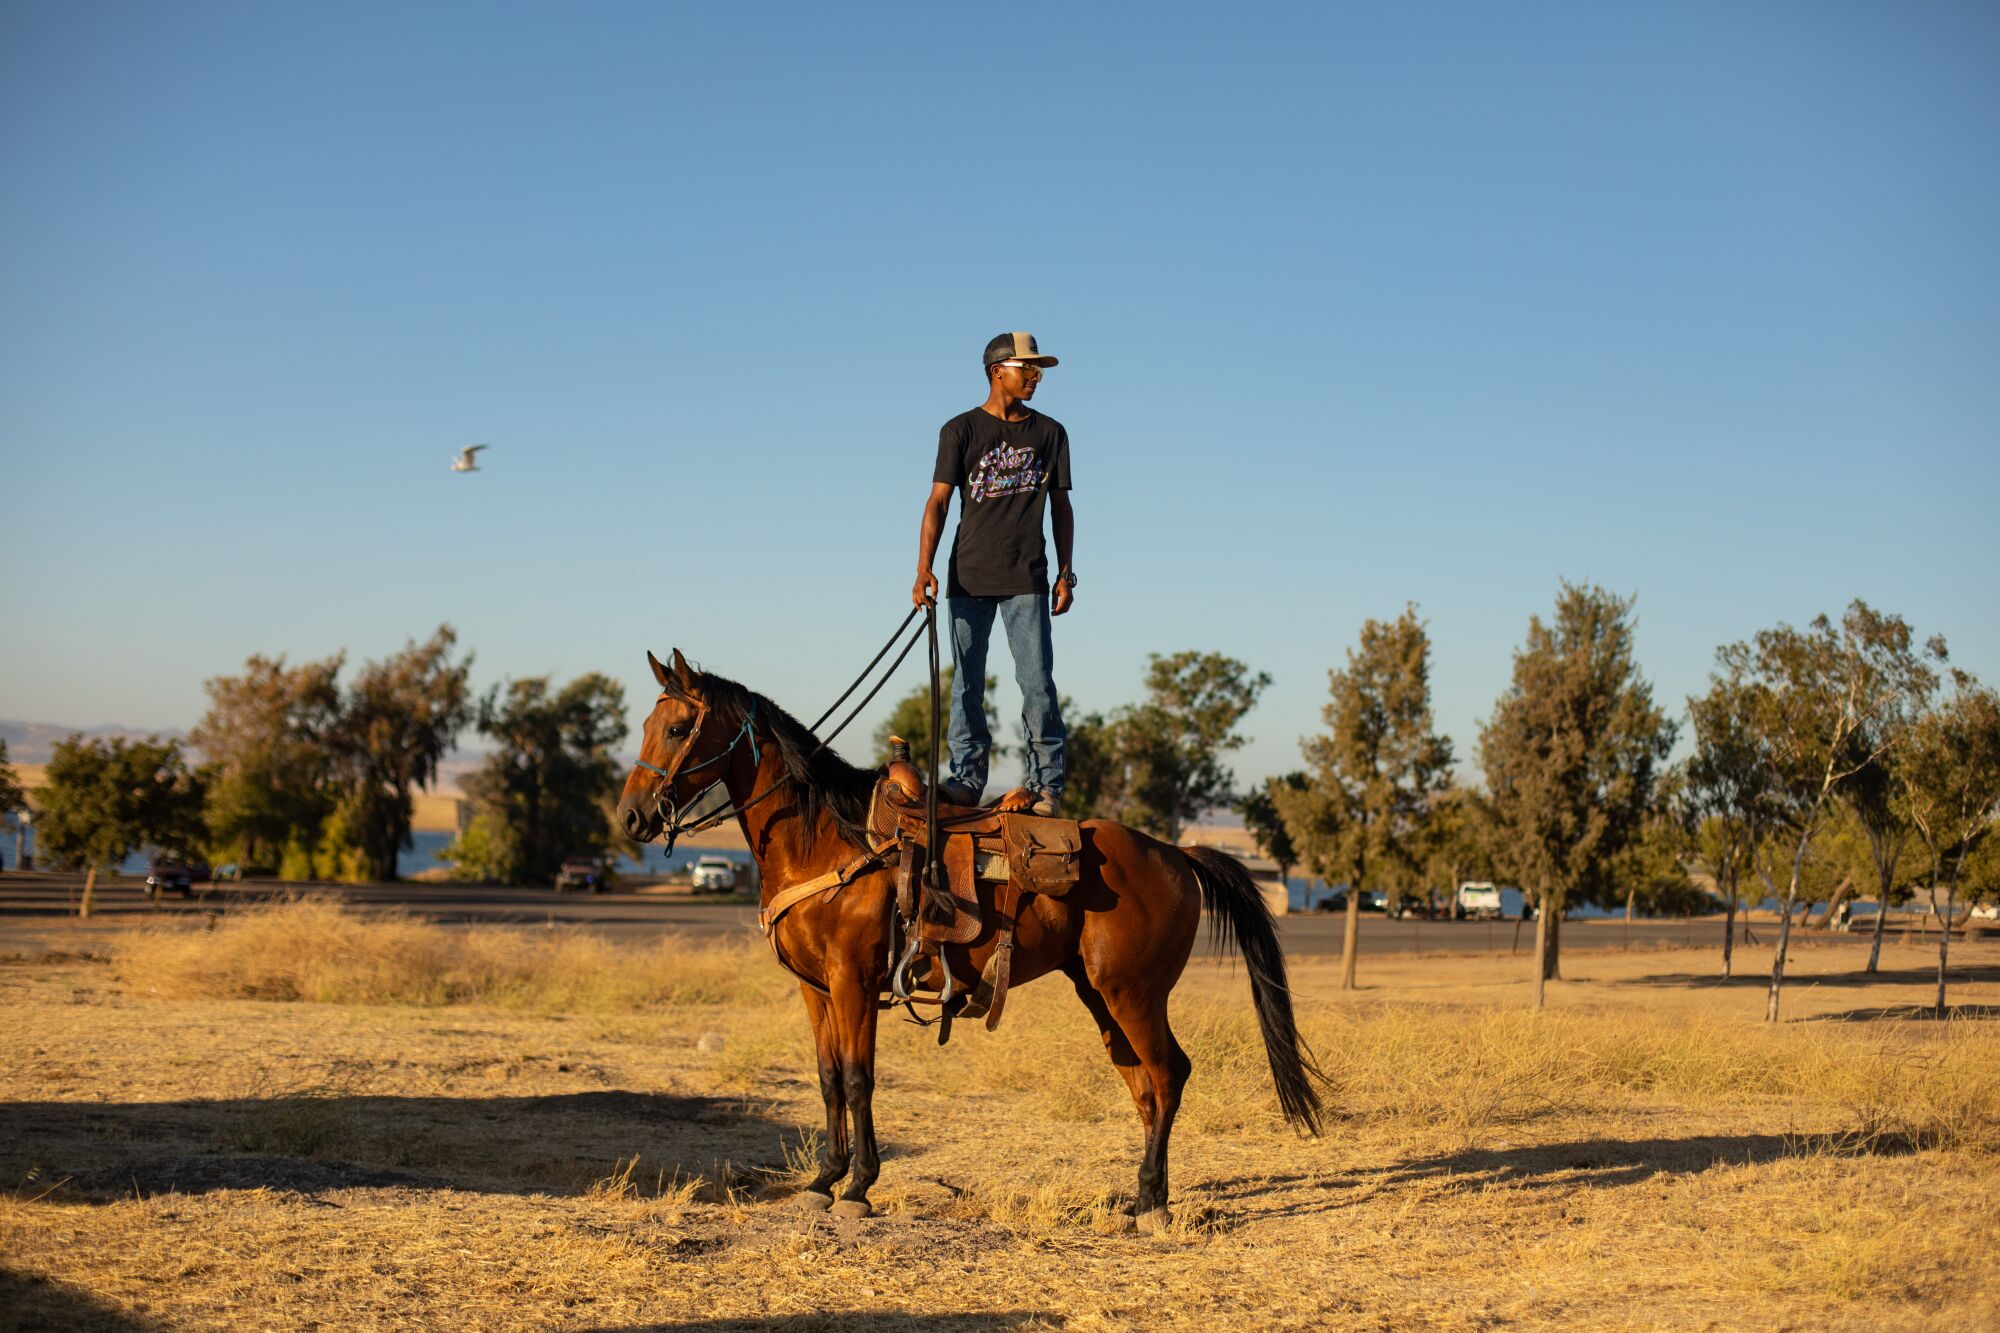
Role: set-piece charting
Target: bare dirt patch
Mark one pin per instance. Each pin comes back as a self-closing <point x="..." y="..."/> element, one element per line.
<point x="597" y="1138"/>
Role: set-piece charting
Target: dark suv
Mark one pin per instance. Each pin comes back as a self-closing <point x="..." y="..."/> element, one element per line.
<point x="173" y="877"/>
<point x="584" y="874"/>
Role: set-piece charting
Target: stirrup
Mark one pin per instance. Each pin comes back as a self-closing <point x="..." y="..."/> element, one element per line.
<point x="899" y="980"/>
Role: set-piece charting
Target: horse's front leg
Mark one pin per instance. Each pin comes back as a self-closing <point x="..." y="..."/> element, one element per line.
<point x="833" y="1153"/>
<point x="854" y="1013"/>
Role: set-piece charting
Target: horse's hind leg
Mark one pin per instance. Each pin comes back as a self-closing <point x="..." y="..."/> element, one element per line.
<point x="1133" y="1022"/>
<point x="833" y="1153"/>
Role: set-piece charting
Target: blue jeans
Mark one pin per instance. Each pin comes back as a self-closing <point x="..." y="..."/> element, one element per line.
<point x="1028" y="641"/>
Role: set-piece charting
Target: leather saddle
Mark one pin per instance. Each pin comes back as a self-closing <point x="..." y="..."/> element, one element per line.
<point x="1015" y="852"/>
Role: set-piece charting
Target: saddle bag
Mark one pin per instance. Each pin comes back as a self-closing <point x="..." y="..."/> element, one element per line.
<point x="1044" y="855"/>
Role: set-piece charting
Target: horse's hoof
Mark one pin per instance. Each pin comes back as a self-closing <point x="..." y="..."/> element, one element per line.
<point x="853" y="1208"/>
<point x="1156" y="1222"/>
<point x="1119" y="1224"/>
<point x="812" y="1201"/>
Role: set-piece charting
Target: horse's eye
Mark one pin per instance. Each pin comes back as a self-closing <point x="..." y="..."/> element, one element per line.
<point x="677" y="730"/>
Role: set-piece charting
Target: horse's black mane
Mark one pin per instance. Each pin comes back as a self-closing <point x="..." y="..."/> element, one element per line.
<point x="820" y="781"/>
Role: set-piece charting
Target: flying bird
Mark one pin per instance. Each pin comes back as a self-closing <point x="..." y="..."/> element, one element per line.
<point x="464" y="460"/>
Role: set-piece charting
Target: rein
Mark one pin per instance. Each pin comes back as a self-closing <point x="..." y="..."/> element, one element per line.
<point x="676" y="811"/>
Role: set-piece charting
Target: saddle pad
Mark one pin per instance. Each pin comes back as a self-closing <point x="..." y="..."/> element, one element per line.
<point x="1044" y="855"/>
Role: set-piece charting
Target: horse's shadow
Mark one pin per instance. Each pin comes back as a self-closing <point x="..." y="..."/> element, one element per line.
<point x="562" y="1144"/>
<point x="1589" y="1164"/>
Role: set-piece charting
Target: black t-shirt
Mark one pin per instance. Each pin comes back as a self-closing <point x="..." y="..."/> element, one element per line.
<point x="1002" y="470"/>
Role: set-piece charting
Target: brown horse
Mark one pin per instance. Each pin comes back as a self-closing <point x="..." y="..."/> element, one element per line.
<point x="1121" y="936"/>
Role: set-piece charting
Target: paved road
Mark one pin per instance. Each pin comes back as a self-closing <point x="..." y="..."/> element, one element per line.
<point x="37" y="912"/>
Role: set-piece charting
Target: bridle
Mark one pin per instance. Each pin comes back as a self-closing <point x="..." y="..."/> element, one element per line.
<point x="674" y="812"/>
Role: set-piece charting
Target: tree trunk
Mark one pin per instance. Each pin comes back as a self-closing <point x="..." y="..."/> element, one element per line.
<point x="1631" y="896"/>
<point x="1881" y="921"/>
<point x="89" y="891"/>
<point x="1551" y="923"/>
<point x="1729" y="928"/>
<point x="1840" y="892"/>
<point x="1542" y="951"/>
<point x="1785" y="928"/>
<point x="1944" y="936"/>
<point x="1350" y="940"/>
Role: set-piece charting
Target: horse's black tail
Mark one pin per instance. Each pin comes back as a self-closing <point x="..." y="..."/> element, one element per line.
<point x="1237" y="913"/>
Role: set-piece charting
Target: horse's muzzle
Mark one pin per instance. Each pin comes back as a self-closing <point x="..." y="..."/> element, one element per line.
<point x="640" y="817"/>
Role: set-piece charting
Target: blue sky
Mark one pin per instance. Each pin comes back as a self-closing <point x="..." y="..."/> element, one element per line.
<point x="1357" y="305"/>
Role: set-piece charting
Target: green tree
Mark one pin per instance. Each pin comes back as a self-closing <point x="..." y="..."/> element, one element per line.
<point x="1266" y="823"/>
<point x="1647" y="876"/>
<point x="1815" y="698"/>
<point x="1371" y="777"/>
<point x="13" y="800"/>
<point x="1168" y="749"/>
<point x="1951" y="780"/>
<point x="1571" y="755"/>
<point x="1456" y="840"/>
<point x="546" y="790"/>
<point x="910" y="719"/>
<point x="1725" y="792"/>
<point x="1873" y="796"/>
<point x="265" y="738"/>
<point x="399" y="719"/>
<point x="1090" y="762"/>
<point x="104" y="800"/>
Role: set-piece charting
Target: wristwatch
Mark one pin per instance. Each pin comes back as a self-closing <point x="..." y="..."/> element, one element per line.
<point x="1067" y="576"/>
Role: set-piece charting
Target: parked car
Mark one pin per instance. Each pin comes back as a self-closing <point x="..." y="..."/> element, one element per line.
<point x="173" y="877"/>
<point x="712" y="874"/>
<point x="1326" y="900"/>
<point x="584" y="874"/>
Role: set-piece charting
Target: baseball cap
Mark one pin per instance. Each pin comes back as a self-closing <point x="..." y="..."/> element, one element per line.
<point x="1016" y="347"/>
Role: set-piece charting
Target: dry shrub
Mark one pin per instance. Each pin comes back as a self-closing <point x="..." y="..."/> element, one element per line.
<point x="1454" y="1071"/>
<point x="319" y="951"/>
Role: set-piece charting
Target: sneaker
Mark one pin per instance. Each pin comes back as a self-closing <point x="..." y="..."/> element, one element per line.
<point x="954" y="793"/>
<point x="1047" y="804"/>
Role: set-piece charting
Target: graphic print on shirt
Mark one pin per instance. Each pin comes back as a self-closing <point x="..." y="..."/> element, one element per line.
<point x="1007" y="470"/>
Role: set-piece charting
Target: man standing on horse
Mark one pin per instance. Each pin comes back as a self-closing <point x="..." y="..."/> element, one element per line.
<point x="1002" y="458"/>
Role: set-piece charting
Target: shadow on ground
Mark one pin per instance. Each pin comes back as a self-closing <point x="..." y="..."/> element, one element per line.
<point x="29" y="1302"/>
<point x="1918" y="1012"/>
<point x="558" y="1144"/>
<point x="1762" y="981"/>
<point x="1588" y="1164"/>
<point x="853" y="1320"/>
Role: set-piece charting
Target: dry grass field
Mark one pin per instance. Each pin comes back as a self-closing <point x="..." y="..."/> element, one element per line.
<point x="301" y="1119"/>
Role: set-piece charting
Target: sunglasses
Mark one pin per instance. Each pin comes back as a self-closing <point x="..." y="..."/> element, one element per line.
<point x="1028" y="369"/>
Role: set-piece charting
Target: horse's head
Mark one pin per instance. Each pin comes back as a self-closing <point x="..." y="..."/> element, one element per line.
<point x="682" y="751"/>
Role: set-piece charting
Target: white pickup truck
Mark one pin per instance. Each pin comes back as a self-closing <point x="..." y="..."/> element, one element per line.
<point x="1479" y="901"/>
<point x="712" y="874"/>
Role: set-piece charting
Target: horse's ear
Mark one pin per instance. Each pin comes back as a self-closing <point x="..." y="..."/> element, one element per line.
<point x="683" y="670"/>
<point x="659" y="672"/>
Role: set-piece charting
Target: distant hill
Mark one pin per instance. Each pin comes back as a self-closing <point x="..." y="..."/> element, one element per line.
<point x="35" y="742"/>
